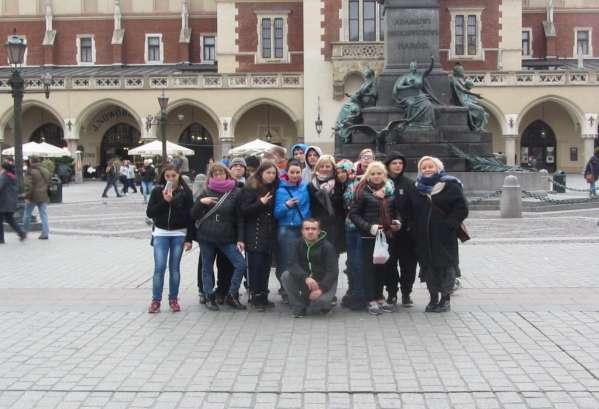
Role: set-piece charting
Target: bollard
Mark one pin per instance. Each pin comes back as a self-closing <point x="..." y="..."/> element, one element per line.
<point x="510" y="204"/>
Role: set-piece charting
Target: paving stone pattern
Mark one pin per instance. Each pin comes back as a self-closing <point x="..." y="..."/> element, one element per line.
<point x="74" y="332"/>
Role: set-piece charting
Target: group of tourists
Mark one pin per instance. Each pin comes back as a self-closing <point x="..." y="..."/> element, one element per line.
<point x="300" y="214"/>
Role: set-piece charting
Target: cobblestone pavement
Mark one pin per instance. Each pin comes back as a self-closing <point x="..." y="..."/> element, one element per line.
<point x="523" y="331"/>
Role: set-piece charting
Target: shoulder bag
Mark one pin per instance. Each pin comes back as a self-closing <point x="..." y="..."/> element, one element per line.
<point x="210" y="212"/>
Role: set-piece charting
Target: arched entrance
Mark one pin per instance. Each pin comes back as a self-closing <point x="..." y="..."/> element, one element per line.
<point x="267" y="122"/>
<point x="198" y="138"/>
<point x="538" y="146"/>
<point x="49" y="133"/>
<point x="117" y="141"/>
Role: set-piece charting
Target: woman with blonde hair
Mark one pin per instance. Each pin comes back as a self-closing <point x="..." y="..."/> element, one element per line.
<point x="324" y="198"/>
<point x="435" y="211"/>
<point x="372" y="211"/>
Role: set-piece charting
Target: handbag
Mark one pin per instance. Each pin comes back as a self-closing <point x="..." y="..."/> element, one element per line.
<point x="380" y="255"/>
<point x="211" y="211"/>
<point x="461" y="231"/>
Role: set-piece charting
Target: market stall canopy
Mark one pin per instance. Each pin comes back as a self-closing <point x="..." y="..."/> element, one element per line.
<point x="256" y="147"/>
<point x="42" y="150"/>
<point x="155" y="148"/>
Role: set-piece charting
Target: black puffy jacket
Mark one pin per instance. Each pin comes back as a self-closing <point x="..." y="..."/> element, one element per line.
<point x="365" y="211"/>
<point x="260" y="230"/>
<point x="433" y="223"/>
<point x="173" y="215"/>
<point x="225" y="225"/>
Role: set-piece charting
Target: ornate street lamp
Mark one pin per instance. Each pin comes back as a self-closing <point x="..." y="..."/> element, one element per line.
<point x="15" y="49"/>
<point x="163" y="102"/>
<point x="318" y="122"/>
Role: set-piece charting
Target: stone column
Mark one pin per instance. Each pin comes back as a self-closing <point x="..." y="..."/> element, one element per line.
<point x="510" y="149"/>
<point x="589" y="145"/>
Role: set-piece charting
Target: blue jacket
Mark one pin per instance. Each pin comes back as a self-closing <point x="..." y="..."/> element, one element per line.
<point x="287" y="216"/>
<point x="297" y="145"/>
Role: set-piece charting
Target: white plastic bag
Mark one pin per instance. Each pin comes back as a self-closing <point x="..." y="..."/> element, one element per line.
<point x="381" y="249"/>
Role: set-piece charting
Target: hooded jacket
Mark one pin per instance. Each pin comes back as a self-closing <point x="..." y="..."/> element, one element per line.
<point x="403" y="185"/>
<point x="8" y="192"/>
<point x="289" y="216"/>
<point x="302" y="146"/>
<point x="317" y="260"/>
<point x="307" y="172"/>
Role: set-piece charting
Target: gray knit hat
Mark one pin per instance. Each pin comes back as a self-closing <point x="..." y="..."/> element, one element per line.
<point x="237" y="161"/>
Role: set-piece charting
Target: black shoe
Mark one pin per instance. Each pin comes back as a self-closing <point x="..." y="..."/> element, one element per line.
<point x="432" y="304"/>
<point x="2" y="242"/>
<point x="392" y="299"/>
<point x="22" y="236"/>
<point x="357" y="305"/>
<point x="444" y="304"/>
<point x="211" y="303"/>
<point x="430" y="307"/>
<point x="233" y="301"/>
<point x="346" y="300"/>
<point x="406" y="301"/>
<point x="104" y="195"/>
<point x="43" y="237"/>
<point x="220" y="299"/>
<point x="202" y="298"/>
<point x="284" y="298"/>
<point x="300" y="313"/>
<point x="334" y="302"/>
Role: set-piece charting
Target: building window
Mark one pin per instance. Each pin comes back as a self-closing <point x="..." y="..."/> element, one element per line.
<point x="272" y="40"/>
<point x="208" y="49"/>
<point x="154" y="52"/>
<point x="364" y="20"/>
<point x="466" y="34"/>
<point x="527" y="43"/>
<point x="86" y="50"/>
<point x="582" y="42"/>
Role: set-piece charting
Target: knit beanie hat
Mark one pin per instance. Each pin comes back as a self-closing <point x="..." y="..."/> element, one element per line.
<point x="237" y="161"/>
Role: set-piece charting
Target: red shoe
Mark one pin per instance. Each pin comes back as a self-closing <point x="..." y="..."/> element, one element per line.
<point x="175" y="307"/>
<point x="154" y="307"/>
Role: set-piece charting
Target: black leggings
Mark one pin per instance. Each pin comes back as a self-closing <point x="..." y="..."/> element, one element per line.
<point x="10" y="220"/>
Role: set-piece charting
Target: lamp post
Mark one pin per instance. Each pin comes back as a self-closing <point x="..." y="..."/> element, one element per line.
<point x="318" y="122"/>
<point x="15" y="47"/>
<point x="163" y="102"/>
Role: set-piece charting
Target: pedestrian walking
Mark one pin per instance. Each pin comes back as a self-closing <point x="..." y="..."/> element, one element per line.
<point x="131" y="170"/>
<point x="260" y="231"/>
<point x="435" y="211"/>
<point x="292" y="205"/>
<point x="148" y="175"/>
<point x="401" y="247"/>
<point x="219" y="224"/>
<point x="123" y="174"/>
<point x="8" y="200"/>
<point x="591" y="172"/>
<point x="169" y="207"/>
<point x="371" y="212"/>
<point x="311" y="278"/>
<point x="112" y="173"/>
<point x="36" y="195"/>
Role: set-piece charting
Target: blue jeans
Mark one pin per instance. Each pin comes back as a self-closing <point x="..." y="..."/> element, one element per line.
<point x="147" y="188"/>
<point x="354" y="261"/>
<point x="593" y="189"/>
<point x="208" y="250"/>
<point x="286" y="237"/>
<point x="42" y="207"/>
<point x="162" y="247"/>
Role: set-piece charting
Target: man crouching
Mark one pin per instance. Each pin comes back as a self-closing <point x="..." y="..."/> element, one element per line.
<point x="311" y="280"/>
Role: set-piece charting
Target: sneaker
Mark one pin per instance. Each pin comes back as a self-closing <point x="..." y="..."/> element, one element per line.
<point x="22" y="236"/>
<point x="174" y="304"/>
<point x="43" y="237"/>
<point x="374" y="308"/>
<point x="202" y="298"/>
<point x="211" y="303"/>
<point x="220" y="299"/>
<point x="299" y="313"/>
<point x="444" y="305"/>
<point x="406" y="301"/>
<point x="385" y="307"/>
<point x="430" y="307"/>
<point x="154" y="307"/>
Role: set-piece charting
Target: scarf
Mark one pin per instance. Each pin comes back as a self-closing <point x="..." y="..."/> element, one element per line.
<point x="324" y="182"/>
<point x="425" y="184"/>
<point x="384" y="207"/>
<point x="221" y="186"/>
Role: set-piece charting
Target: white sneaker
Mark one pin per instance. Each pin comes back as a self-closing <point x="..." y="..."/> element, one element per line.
<point x="374" y="308"/>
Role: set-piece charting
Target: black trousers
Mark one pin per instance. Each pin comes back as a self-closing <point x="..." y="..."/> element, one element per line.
<point x="224" y="273"/>
<point x="10" y="220"/>
<point x="109" y="183"/>
<point x="258" y="272"/>
<point x="374" y="275"/>
<point x="401" y="249"/>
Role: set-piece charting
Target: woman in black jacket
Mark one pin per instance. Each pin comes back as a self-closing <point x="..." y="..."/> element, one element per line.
<point x="219" y="225"/>
<point x="435" y="211"/>
<point x="324" y="197"/>
<point x="169" y="207"/>
<point x="372" y="211"/>
<point x="260" y="230"/>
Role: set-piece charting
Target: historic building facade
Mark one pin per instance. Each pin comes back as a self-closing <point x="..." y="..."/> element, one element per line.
<point x="236" y="70"/>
